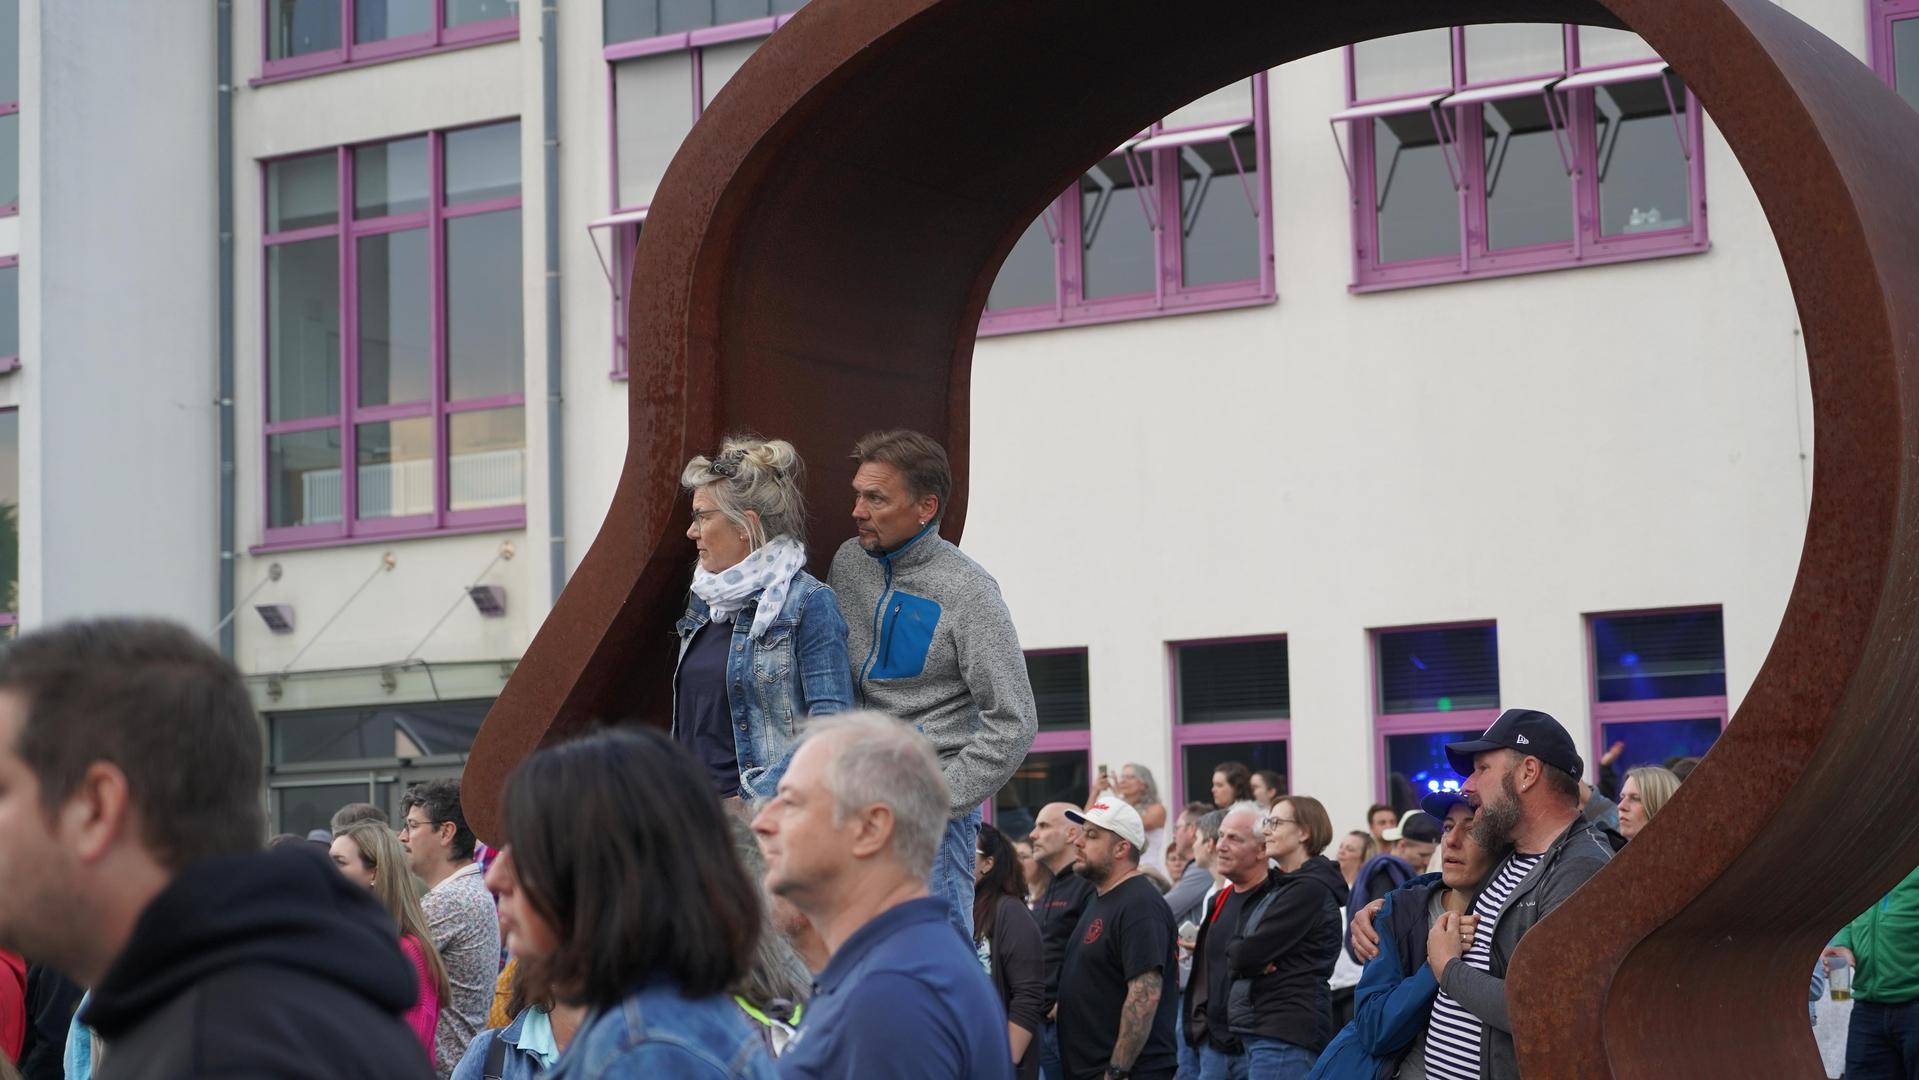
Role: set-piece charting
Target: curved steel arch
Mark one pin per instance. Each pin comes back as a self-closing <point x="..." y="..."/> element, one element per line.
<point x="816" y="264"/>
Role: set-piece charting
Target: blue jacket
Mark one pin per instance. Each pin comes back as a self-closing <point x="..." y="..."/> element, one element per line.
<point x="798" y="669"/>
<point x="522" y="1062"/>
<point x="1395" y="994"/>
<point x="654" y="1032"/>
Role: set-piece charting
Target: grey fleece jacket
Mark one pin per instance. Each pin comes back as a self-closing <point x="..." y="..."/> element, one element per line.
<point x="932" y="643"/>
<point x="1572" y="859"/>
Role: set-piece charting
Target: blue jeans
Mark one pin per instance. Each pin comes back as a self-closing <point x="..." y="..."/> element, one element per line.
<point x="1188" y="1053"/>
<point x="1214" y="1065"/>
<point x="1882" y="1042"/>
<point x="952" y="877"/>
<point x="1273" y="1059"/>
<point x="1049" y="1066"/>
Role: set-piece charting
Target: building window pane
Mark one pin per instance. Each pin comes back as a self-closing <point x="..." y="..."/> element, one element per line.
<point x="396" y="318"/>
<point x="1655" y="742"/>
<point x="9" y="310"/>
<point x="653" y="111"/>
<point x="1643" y="181"/>
<point x="1060" y="690"/>
<point x="1116" y="242"/>
<point x="719" y="63"/>
<point x="1496" y="52"/>
<point x="483" y="163"/>
<point x="787" y="7"/>
<point x="10" y="159"/>
<point x="484" y="351"/>
<point x="465" y="12"/>
<point x="378" y="20"/>
<point x="1048" y="776"/>
<point x="1664" y="655"/>
<point x="10" y="510"/>
<point x="1233" y="101"/>
<point x="1197" y="762"/>
<point x="1416" y="766"/>
<point x="303" y="329"/>
<point x="1030" y="275"/>
<point x="1413" y="188"/>
<point x="486" y="458"/>
<point x="303" y="192"/>
<point x="299" y="27"/>
<point x="306" y="807"/>
<point x="303" y="478"/>
<point x="395" y="474"/>
<point x="1602" y="46"/>
<point x="9" y="50"/>
<point x="1438" y="670"/>
<point x="314" y="736"/>
<point x="1219" y="232"/>
<point x="1905" y="59"/>
<point x="1528" y="196"/>
<point x="1403" y="64"/>
<point x="630" y="20"/>
<point x="390" y="178"/>
<point x="1234" y="680"/>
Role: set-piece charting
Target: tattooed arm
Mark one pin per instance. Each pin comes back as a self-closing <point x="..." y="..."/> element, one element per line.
<point x="1136" y="1018"/>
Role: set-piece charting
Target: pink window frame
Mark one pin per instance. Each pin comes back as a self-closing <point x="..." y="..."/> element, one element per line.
<point x="1880" y="15"/>
<point x="1414" y="723"/>
<point x="12" y="362"/>
<point x="624" y="238"/>
<point x="12" y="108"/>
<point x="1475" y="261"/>
<point x="1070" y="308"/>
<point x="12" y="618"/>
<point x="1058" y="741"/>
<point x="353" y="54"/>
<point x="1273" y="729"/>
<point x="347" y="231"/>
<point x="1655" y="709"/>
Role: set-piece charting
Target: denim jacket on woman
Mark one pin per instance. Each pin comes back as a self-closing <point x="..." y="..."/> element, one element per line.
<point x="797" y="669"/>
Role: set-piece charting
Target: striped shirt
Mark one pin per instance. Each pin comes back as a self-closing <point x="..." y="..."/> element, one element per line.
<point x="1452" y="1038"/>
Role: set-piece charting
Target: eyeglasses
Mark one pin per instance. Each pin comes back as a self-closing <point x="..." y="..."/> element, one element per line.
<point x="1272" y="821"/>
<point x="700" y="516"/>
<point x="408" y="825"/>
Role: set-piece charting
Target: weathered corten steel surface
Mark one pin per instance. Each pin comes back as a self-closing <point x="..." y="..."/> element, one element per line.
<point x="815" y="265"/>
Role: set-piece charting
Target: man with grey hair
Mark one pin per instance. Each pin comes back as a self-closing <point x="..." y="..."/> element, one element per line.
<point x="848" y="838"/>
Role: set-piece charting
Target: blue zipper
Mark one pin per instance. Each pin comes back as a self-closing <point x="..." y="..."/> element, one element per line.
<point x="872" y="649"/>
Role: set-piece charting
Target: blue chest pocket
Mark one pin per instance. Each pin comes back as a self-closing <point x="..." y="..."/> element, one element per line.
<point x="906" y="636"/>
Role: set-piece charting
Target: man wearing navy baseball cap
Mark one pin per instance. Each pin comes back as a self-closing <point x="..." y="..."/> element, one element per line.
<point x="1522" y="780"/>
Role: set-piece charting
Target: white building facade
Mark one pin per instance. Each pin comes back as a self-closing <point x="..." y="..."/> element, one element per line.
<point x="1323" y="453"/>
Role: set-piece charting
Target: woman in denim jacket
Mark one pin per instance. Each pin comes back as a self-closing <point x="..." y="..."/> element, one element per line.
<point x="762" y="644"/>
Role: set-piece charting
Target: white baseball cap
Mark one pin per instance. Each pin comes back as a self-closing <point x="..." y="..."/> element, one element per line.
<point x="1115" y="815"/>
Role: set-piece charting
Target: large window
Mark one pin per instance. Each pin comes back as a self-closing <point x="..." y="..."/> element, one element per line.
<point x="395" y="393"/>
<point x="1894" y="33"/>
<point x="1058" y="767"/>
<point x="1658" y="683"/>
<point x="9" y="108"/>
<point x="660" y="85"/>
<point x="1177" y="219"/>
<point x="304" y="36"/>
<point x="1486" y="150"/>
<point x="1431" y="685"/>
<point x="1232" y="701"/>
<point x="9" y="313"/>
<point x="9" y="519"/>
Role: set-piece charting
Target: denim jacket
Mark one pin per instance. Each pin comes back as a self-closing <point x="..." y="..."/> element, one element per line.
<point x="798" y="669"/>
<point x="655" y="1032"/>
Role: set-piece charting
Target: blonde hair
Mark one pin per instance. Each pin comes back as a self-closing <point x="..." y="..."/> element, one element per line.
<point x="753" y="474"/>
<point x="397" y="890"/>
<point x="1656" y="784"/>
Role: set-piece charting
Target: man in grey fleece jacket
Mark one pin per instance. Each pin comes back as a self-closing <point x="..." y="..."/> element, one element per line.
<point x="931" y="641"/>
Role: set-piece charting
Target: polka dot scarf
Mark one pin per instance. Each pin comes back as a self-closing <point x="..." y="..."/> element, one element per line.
<point x="769" y="569"/>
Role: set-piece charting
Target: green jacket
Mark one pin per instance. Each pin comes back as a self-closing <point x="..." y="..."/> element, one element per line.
<point x="1886" y="941"/>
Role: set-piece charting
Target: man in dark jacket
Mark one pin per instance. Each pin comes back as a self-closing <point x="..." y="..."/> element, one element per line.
<point x="1055" y="846"/>
<point x="130" y="827"/>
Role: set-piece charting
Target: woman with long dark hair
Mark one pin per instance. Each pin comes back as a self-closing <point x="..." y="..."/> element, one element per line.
<point x="1232" y="783"/>
<point x="619" y="889"/>
<point x="1007" y="937"/>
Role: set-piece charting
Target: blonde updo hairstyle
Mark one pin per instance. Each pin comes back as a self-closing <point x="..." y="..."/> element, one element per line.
<point x="758" y="475"/>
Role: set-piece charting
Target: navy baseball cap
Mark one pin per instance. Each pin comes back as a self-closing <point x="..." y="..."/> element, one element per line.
<point x="1440" y="803"/>
<point x="1528" y="731"/>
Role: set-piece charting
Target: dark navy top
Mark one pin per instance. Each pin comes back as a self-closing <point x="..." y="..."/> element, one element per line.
<point x="903" y="998"/>
<point x="701" y="714"/>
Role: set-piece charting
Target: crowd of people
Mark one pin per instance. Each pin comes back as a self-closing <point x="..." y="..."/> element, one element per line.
<point x="793" y="878"/>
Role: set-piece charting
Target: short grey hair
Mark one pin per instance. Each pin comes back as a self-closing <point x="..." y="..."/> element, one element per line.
<point x="1235" y="810"/>
<point x="751" y="473"/>
<point x="879" y="760"/>
<point x="1209" y="825"/>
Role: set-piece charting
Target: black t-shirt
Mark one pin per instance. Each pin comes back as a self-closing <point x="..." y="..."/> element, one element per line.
<point x="702" y="718"/>
<point x="1124" y="934"/>
<point x="1219" y="975"/>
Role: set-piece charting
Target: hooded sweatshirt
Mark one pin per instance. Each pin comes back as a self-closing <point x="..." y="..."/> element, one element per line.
<point x="1293" y="926"/>
<point x="269" y="964"/>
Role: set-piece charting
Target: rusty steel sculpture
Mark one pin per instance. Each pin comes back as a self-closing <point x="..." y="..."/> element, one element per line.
<point x="815" y="266"/>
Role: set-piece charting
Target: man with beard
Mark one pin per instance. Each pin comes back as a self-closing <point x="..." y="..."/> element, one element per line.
<point x="1522" y="779"/>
